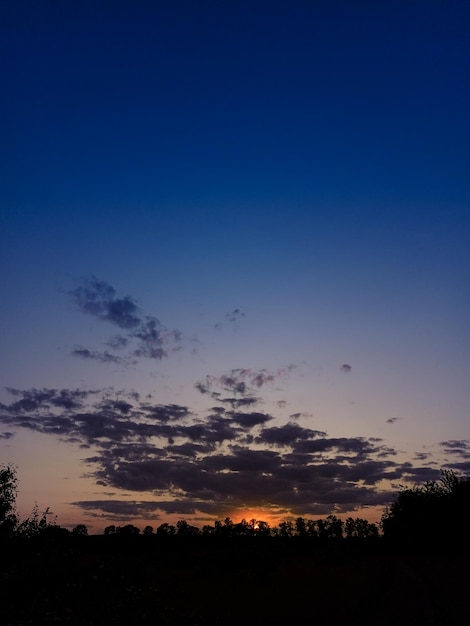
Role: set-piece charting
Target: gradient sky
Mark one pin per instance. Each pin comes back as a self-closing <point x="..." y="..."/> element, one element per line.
<point x="235" y="255"/>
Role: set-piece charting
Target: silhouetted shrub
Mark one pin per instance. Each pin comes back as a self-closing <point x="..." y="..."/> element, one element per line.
<point x="431" y="515"/>
<point x="80" y="530"/>
<point x="39" y="524"/>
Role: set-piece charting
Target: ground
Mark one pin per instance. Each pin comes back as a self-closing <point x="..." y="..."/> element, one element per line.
<point x="178" y="583"/>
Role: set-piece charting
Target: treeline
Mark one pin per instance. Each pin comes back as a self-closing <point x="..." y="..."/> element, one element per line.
<point x="332" y="527"/>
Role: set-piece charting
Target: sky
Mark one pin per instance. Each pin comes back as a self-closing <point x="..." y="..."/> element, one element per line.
<point x="235" y="256"/>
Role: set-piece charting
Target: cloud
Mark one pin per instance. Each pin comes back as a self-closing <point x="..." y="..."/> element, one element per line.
<point x="287" y="435"/>
<point x="457" y="447"/>
<point x="357" y="446"/>
<point x="6" y="435"/>
<point x="235" y="315"/>
<point x="95" y="355"/>
<point x="420" y="474"/>
<point x="35" y="399"/>
<point x="110" y="417"/>
<point x="97" y="298"/>
<point x="237" y="403"/>
<point x="456" y="444"/>
<point x="421" y="456"/>
<point x="232" y="318"/>
<point x="145" y="335"/>
<point x="123" y="510"/>
<point x="248" y="420"/>
<point x="120" y="507"/>
<point x="461" y="467"/>
<point x="212" y="463"/>
<point x="151" y="336"/>
<point x="392" y="420"/>
<point x="243" y="383"/>
<point x="117" y="342"/>
<point x="345" y="368"/>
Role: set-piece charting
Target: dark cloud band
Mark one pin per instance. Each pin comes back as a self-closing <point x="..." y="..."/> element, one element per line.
<point x="225" y="458"/>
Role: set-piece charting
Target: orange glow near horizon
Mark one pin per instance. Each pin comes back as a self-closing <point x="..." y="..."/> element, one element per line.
<point x="273" y="518"/>
<point x="259" y="515"/>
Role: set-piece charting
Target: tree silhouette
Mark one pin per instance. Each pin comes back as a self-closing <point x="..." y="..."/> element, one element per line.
<point x="334" y="527"/>
<point x="285" y="529"/>
<point x="431" y="514"/>
<point x="110" y="530"/>
<point x="301" y="527"/>
<point x="359" y="528"/>
<point x="129" y="530"/>
<point x="80" y="530"/>
<point x="263" y="529"/>
<point x="8" y="493"/>
<point x="242" y="529"/>
<point x="166" y="530"/>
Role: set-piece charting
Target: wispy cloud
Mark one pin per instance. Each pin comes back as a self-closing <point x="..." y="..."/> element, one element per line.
<point x="123" y="510"/>
<point x="96" y="355"/>
<point x="457" y="447"/>
<point x="97" y="298"/>
<point x="145" y="336"/>
<point x="242" y="383"/>
<point x="235" y="315"/>
<point x="231" y="319"/>
<point x="120" y="509"/>
<point x="117" y="342"/>
<point x="421" y="456"/>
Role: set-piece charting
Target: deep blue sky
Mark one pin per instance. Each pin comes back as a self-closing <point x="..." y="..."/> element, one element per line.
<point x="286" y="184"/>
<point x="108" y="102"/>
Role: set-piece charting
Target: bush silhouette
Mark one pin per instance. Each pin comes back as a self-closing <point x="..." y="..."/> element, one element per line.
<point x="432" y="514"/>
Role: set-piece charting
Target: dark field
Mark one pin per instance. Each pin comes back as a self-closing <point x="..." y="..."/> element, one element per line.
<point x="97" y="580"/>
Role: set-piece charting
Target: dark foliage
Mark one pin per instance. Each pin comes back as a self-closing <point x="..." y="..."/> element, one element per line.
<point x="433" y="515"/>
<point x="80" y="530"/>
<point x="180" y="580"/>
<point x="243" y="573"/>
<point x="8" y="492"/>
